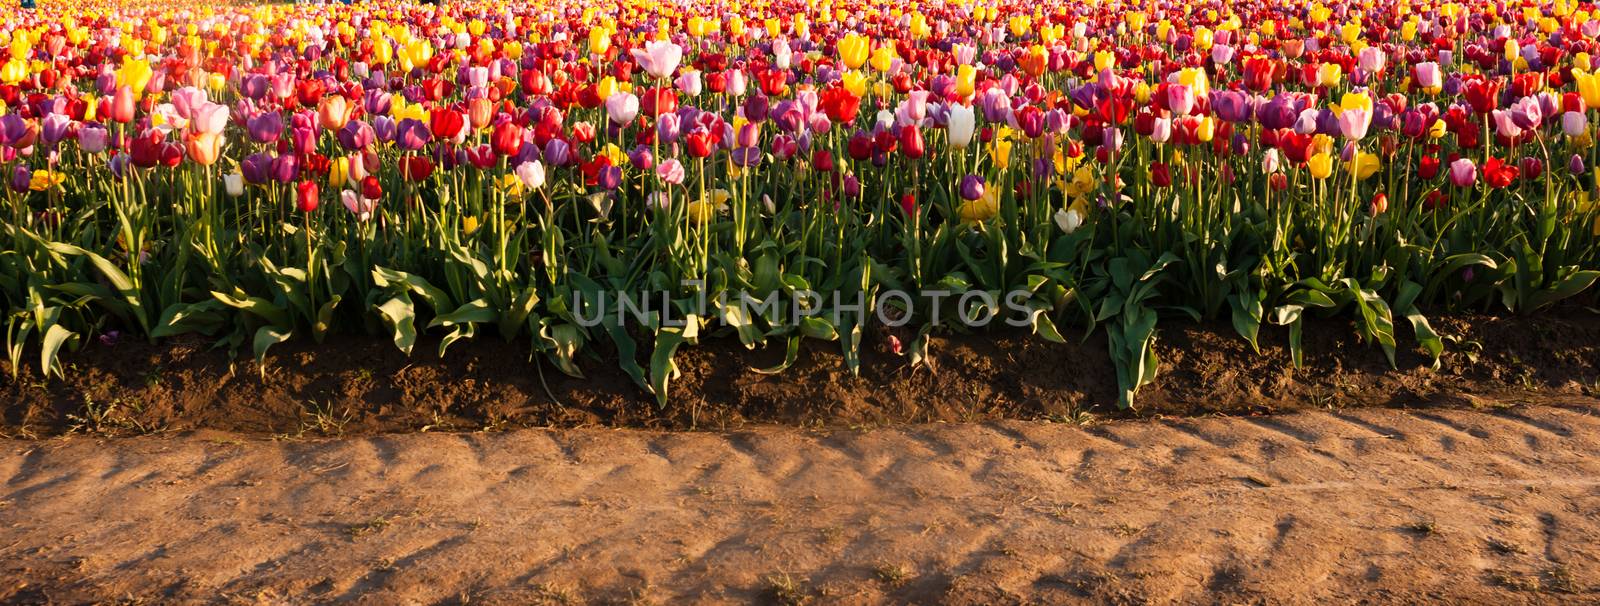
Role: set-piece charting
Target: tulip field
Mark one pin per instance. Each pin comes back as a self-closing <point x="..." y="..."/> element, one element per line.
<point x="255" y="173"/>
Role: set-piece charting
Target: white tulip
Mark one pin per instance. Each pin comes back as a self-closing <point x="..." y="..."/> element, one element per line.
<point x="962" y="123"/>
<point x="531" y="174"/>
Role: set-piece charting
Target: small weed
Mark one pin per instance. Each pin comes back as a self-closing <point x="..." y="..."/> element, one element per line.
<point x="1515" y="581"/>
<point x="894" y="575"/>
<point x="1126" y="530"/>
<point x="550" y="593"/>
<point x="1504" y="548"/>
<point x="372" y="526"/>
<point x="1423" y="527"/>
<point x="322" y="419"/>
<point x="107" y="418"/>
<point x="787" y="589"/>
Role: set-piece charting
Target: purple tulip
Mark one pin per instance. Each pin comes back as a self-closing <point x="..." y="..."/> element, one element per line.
<point x="668" y="128"/>
<point x="12" y="128"/>
<point x="285" y="168"/>
<point x="1575" y="165"/>
<point x="971" y="187"/>
<point x="54" y="128"/>
<point x="755" y="107"/>
<point x="383" y="129"/>
<point x="265" y="128"/>
<point x="611" y="177"/>
<point x="641" y="158"/>
<point x="256" y="86"/>
<point x="118" y="165"/>
<point x="412" y="134"/>
<point x="557" y="153"/>
<point x="257" y="168"/>
<point x="356" y="135"/>
<point x="376" y="102"/>
<point x="92" y="138"/>
<point x="747" y="157"/>
<point x="20" y="178"/>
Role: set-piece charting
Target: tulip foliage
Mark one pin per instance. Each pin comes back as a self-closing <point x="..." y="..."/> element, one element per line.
<point x="259" y="173"/>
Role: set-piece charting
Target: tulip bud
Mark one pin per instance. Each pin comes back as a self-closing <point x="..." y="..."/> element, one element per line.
<point x="306" y="196"/>
<point x="972" y="187"/>
<point x="233" y="183"/>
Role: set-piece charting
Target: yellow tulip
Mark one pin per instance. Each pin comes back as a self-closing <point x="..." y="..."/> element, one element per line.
<point x="1588" y="86"/>
<point x="966" y="80"/>
<point x="883" y="58"/>
<point x="1321" y="165"/>
<point x="1000" y="147"/>
<point x="14" y="71"/>
<point x="853" y="49"/>
<point x="980" y="210"/>
<point x="1207" y="130"/>
<point x="338" y="171"/>
<point x="134" y="74"/>
<point x="46" y="179"/>
<point x="1329" y="74"/>
<point x="1104" y="60"/>
<point x="1365" y="165"/>
<point x="855" y="82"/>
<point x="509" y="185"/>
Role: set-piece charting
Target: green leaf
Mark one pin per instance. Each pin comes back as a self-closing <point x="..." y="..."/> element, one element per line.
<point x="1247" y="312"/>
<point x="790" y="354"/>
<point x="399" y="314"/>
<point x="662" y="368"/>
<point x="266" y="337"/>
<point x="55" y="337"/>
<point x="476" y="311"/>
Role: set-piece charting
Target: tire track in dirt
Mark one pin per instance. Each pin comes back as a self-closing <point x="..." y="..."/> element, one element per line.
<point x="1382" y="505"/>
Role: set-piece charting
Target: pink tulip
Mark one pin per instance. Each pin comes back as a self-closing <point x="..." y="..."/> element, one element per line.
<point x="1428" y="75"/>
<point x="658" y="58"/>
<point x="1180" y="98"/>
<point x="209" y="118"/>
<point x="1353" y="122"/>
<point x="187" y="99"/>
<point x="622" y="107"/>
<point x="690" y="83"/>
<point x="671" y="171"/>
<point x="1463" y="173"/>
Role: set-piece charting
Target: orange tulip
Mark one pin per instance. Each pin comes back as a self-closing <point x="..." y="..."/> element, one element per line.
<point x="204" y="148"/>
<point x="333" y="111"/>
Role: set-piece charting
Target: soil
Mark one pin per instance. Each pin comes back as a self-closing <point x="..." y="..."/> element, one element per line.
<point x="363" y="386"/>
<point x="1000" y="473"/>
<point x="1363" y="505"/>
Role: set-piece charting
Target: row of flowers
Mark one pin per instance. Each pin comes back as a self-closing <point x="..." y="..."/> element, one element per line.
<point x="976" y="143"/>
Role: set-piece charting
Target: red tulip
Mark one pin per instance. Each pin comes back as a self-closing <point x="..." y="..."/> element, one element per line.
<point x="1160" y="175"/>
<point x="911" y="143"/>
<point x="699" y="143"/>
<point x="416" y="168"/>
<point x="1483" y="94"/>
<point x="841" y="106"/>
<point x="1500" y="174"/>
<point x="306" y="198"/>
<point x="507" y="139"/>
<point x="122" y="105"/>
<point x="446" y="123"/>
<point x="371" y="188"/>
<point x="659" y="100"/>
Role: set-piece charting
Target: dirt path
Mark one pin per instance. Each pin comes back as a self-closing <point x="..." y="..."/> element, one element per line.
<point x="1382" y="505"/>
